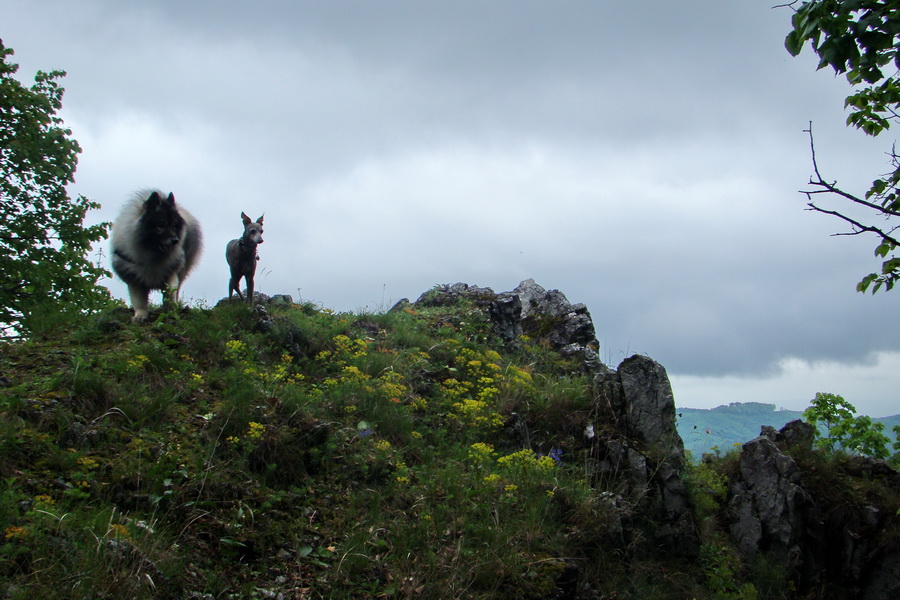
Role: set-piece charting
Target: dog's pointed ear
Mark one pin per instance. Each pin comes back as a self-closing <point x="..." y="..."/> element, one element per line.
<point x="245" y="218"/>
<point x="170" y="199"/>
<point x="260" y="220"/>
<point x="152" y="200"/>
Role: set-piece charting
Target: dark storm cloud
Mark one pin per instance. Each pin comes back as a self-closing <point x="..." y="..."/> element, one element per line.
<point x="644" y="158"/>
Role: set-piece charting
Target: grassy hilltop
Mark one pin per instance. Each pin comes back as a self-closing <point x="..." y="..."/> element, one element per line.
<point x="293" y="452"/>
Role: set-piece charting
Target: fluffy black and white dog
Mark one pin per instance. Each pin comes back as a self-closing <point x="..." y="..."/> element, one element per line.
<point x="155" y="244"/>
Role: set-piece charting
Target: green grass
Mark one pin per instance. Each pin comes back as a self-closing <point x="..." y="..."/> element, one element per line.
<point x="315" y="454"/>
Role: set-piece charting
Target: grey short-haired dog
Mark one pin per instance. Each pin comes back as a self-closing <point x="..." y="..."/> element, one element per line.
<point x="155" y="244"/>
<point x="242" y="257"/>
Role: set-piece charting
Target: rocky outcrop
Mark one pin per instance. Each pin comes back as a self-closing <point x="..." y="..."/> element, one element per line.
<point x="637" y="400"/>
<point x="823" y="538"/>
<point x="452" y="293"/>
<point x="635" y="441"/>
<point x="767" y="503"/>
<point x="527" y="310"/>
<point x="551" y="313"/>
<point x="650" y="405"/>
<point x="823" y="530"/>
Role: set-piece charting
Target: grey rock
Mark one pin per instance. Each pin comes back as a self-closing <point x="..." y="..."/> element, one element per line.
<point x="772" y="512"/>
<point x="769" y="432"/>
<point x="638" y="400"/>
<point x="505" y="313"/>
<point x="885" y="581"/>
<point x="649" y="404"/>
<point x="449" y="294"/>
<point x="264" y="323"/>
<point x="529" y="309"/>
<point x="617" y="459"/>
<point x="586" y="355"/>
<point x="798" y="433"/>
<point x="401" y="304"/>
<point x="617" y="511"/>
<point x="795" y="433"/>
<point x="564" y="322"/>
<point x="282" y="299"/>
<point x="768" y="503"/>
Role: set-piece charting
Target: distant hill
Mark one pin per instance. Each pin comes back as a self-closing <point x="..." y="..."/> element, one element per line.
<point x="711" y="429"/>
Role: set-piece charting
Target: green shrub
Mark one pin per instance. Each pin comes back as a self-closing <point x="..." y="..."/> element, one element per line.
<point x="837" y="427"/>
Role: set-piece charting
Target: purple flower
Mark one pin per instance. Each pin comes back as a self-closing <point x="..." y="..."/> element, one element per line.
<point x="556" y="455"/>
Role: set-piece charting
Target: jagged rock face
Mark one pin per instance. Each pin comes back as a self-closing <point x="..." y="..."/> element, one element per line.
<point x="617" y="456"/>
<point x="677" y="531"/>
<point x="773" y="512"/>
<point x="649" y="404"/>
<point x="505" y="313"/>
<point x="768" y="502"/>
<point x="639" y="397"/>
<point x="565" y="323"/>
<point x="528" y="309"/>
<point x="575" y="324"/>
<point x="567" y="327"/>
<point x="798" y="434"/>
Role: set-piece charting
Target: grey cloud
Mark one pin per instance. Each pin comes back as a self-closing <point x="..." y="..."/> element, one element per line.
<point x="643" y="158"/>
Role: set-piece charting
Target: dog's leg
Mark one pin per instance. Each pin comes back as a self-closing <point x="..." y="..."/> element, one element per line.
<point x="249" y="288"/>
<point x="172" y="292"/>
<point x="140" y="302"/>
<point x="234" y="285"/>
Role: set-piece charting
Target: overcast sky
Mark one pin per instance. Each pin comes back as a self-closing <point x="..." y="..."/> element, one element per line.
<point x="642" y="157"/>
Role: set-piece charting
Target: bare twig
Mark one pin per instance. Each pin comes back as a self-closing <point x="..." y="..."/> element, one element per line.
<point x="831" y="188"/>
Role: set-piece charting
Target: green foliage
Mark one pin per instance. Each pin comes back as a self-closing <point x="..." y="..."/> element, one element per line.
<point x="364" y="455"/>
<point x="325" y="455"/>
<point x="843" y="428"/>
<point x="719" y="561"/>
<point x="859" y="38"/>
<point x="856" y="37"/>
<point x="722" y="568"/>
<point x="896" y="444"/>
<point x="707" y="489"/>
<point x="44" y="267"/>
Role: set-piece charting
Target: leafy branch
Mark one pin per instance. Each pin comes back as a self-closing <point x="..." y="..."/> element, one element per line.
<point x="861" y="40"/>
<point x="888" y="207"/>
